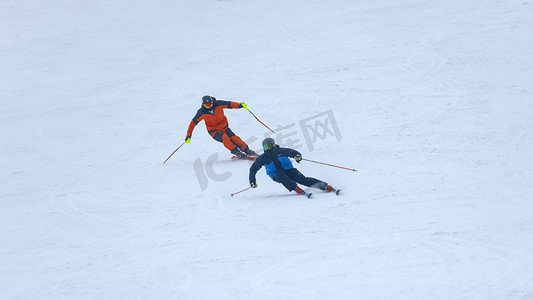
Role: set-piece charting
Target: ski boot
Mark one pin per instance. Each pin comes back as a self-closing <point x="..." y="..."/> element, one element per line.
<point x="237" y="152"/>
<point x="329" y="189"/>
<point x="249" y="152"/>
<point x="298" y="190"/>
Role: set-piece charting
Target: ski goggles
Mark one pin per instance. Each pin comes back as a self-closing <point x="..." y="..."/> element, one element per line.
<point x="208" y="105"/>
<point x="268" y="147"/>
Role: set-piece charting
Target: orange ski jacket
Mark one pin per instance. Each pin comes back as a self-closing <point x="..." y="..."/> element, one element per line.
<point x="215" y="120"/>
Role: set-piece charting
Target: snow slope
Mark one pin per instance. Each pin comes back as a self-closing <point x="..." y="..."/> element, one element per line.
<point x="431" y="99"/>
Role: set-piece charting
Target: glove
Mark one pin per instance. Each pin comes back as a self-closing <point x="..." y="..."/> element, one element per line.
<point x="253" y="184"/>
<point x="243" y="105"/>
<point x="298" y="158"/>
<point x="188" y="139"/>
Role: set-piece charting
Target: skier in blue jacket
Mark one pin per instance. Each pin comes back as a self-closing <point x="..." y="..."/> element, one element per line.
<point x="279" y="167"/>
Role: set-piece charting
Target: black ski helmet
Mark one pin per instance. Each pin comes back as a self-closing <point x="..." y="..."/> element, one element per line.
<point x="208" y="100"/>
<point x="268" y="144"/>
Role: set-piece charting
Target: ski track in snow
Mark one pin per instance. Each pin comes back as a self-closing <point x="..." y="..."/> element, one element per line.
<point x="432" y="102"/>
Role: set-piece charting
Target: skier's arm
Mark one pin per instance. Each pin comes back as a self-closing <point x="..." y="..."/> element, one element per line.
<point x="289" y="152"/>
<point x="229" y="104"/>
<point x="256" y="166"/>
<point x="197" y="118"/>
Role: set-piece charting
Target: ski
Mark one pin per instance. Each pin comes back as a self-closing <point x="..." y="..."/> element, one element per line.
<point x="252" y="158"/>
<point x="308" y="195"/>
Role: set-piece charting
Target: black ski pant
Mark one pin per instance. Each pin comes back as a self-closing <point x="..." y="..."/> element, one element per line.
<point x="290" y="177"/>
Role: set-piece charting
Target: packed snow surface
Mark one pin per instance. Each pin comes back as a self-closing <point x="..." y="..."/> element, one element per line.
<point x="430" y="101"/>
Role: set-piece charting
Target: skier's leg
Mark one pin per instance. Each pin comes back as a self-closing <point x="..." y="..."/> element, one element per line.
<point x="282" y="178"/>
<point x="239" y="142"/>
<point x="309" y="181"/>
<point x="224" y="139"/>
<point x="300" y="178"/>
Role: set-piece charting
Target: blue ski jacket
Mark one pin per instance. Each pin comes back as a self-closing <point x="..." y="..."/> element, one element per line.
<point x="273" y="160"/>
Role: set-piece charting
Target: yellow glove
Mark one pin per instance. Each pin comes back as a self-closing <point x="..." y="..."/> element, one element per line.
<point x="187" y="139"/>
<point x="243" y="105"/>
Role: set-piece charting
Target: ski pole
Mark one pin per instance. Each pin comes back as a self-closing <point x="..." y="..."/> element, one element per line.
<point x="174" y="152"/>
<point x="259" y="120"/>
<point x="330" y="165"/>
<point x="241" y="191"/>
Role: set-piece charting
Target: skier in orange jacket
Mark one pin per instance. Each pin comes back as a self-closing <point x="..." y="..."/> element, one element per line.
<point x="216" y="123"/>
